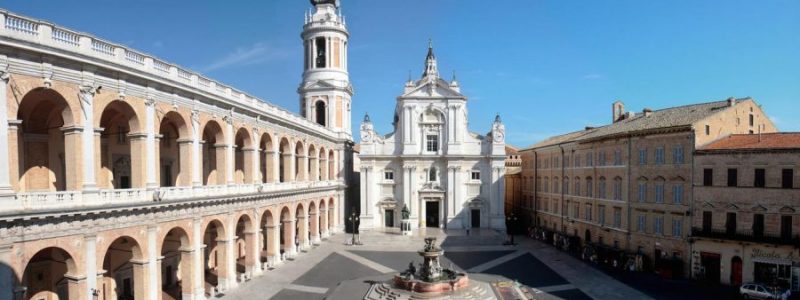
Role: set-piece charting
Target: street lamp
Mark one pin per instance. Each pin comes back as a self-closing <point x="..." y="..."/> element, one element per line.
<point x="354" y="221"/>
<point x="511" y="221"/>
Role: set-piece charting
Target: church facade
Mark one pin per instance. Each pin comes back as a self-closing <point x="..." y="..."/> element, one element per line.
<point x="445" y="175"/>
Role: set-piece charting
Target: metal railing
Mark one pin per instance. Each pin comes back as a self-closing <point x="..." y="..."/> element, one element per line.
<point x="746" y="236"/>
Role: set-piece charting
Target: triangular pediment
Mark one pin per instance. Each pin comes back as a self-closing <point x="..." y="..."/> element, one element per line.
<point x="759" y="208"/>
<point x="433" y="89"/>
<point x="708" y="205"/>
<point x="319" y="84"/>
<point x="787" y="209"/>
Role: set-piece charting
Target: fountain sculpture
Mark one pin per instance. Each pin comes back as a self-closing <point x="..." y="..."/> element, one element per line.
<point x="431" y="278"/>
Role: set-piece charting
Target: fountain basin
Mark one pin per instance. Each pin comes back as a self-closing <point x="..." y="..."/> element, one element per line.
<point x="436" y="287"/>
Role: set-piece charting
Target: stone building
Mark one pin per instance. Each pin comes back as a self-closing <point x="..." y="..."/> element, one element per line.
<point x="745" y="221"/>
<point x="626" y="186"/>
<point x="446" y="175"/>
<point x="125" y="176"/>
<point x="513" y="180"/>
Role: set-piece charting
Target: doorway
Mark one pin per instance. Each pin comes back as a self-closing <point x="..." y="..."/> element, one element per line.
<point x="710" y="263"/>
<point x="476" y="218"/>
<point x="432" y="214"/>
<point x="388" y="218"/>
<point x="736" y="271"/>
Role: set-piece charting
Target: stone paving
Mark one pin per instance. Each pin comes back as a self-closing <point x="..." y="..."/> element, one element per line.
<point x="317" y="272"/>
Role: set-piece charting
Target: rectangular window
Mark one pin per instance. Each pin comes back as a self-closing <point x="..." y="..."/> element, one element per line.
<point x="786" y="227"/>
<point x="752" y="120"/>
<point x="677" y="194"/>
<point x="677" y="227"/>
<point x="388" y="175"/>
<point x="677" y="155"/>
<point x="321" y="55"/>
<point x="642" y="192"/>
<point x="641" y="223"/>
<point x="787" y="178"/>
<point x="760" y="178"/>
<point x="601" y="215"/>
<point x="730" y="223"/>
<point x="659" y="193"/>
<point x="589" y="159"/>
<point x="660" y="155"/>
<point x="707" y="224"/>
<point x="658" y="225"/>
<point x="617" y="158"/>
<point x="577" y="161"/>
<point x="475" y="175"/>
<point x="601" y="189"/>
<point x="617" y="217"/>
<point x="708" y="177"/>
<point x="708" y="129"/>
<point x="617" y="189"/>
<point x="589" y="189"/>
<point x="432" y="143"/>
<point x="588" y="213"/>
<point x="601" y="158"/>
<point x="576" y="213"/>
<point x="642" y="156"/>
<point x="758" y="225"/>
<point x="733" y="177"/>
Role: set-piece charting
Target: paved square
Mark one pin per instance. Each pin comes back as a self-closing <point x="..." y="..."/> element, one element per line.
<point x="315" y="274"/>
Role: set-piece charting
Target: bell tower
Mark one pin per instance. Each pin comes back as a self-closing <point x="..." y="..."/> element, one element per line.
<point x="325" y="92"/>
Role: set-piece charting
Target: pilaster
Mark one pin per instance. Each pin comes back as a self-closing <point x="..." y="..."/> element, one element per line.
<point x="150" y="144"/>
<point x="87" y="92"/>
<point x="6" y="191"/>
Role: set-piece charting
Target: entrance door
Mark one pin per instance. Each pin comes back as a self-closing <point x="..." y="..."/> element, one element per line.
<point x="476" y="218"/>
<point x="388" y="218"/>
<point x="432" y="214"/>
<point x="736" y="271"/>
<point x="711" y="264"/>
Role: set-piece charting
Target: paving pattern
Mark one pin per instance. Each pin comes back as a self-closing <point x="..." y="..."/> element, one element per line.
<point x="314" y="274"/>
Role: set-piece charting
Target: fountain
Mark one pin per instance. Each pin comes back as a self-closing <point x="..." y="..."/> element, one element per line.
<point x="431" y="277"/>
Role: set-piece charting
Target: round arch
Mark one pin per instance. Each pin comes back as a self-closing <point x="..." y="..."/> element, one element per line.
<point x="174" y="168"/>
<point x="285" y="172"/>
<point x="243" y="156"/>
<point x="125" y="270"/>
<point x="213" y="160"/>
<point x="300" y="162"/>
<point x="176" y="264"/>
<point x="267" y="158"/>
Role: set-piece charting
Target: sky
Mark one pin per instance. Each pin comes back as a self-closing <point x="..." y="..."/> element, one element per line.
<point x="547" y="67"/>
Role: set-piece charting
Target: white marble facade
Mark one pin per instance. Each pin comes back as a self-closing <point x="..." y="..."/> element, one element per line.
<point x="446" y="176"/>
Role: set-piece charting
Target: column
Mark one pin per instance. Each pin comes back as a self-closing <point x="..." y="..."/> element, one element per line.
<point x="276" y="167"/>
<point x="197" y="155"/>
<point x="302" y="231"/>
<point x="257" y="175"/>
<point x="6" y="191"/>
<point x="447" y="205"/>
<point x="328" y="53"/>
<point x="150" y="144"/>
<point x="407" y="186"/>
<point x="273" y="245"/>
<point x="313" y="57"/>
<point x="450" y="124"/>
<point x="313" y="223"/>
<point x="412" y="196"/>
<point x="252" y="259"/>
<point x="197" y="259"/>
<point x="153" y="264"/>
<point x="456" y="125"/>
<point x="229" y="157"/>
<point x="339" y="164"/>
<point x="90" y="242"/>
<point x="88" y="146"/>
<point x="7" y="275"/>
<point x="290" y="249"/>
<point x="323" y="222"/>
<point x="406" y="125"/>
<point x="366" y="188"/>
<point x="302" y="168"/>
<point x="313" y="160"/>
<point x="229" y="259"/>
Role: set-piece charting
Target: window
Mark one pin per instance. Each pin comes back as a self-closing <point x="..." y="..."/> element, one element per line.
<point x="760" y="178"/>
<point x="677" y="155"/>
<point x="677" y="227"/>
<point x="658" y="225"/>
<point x="566" y="161"/>
<point x="589" y="188"/>
<point x="708" y="177"/>
<point x="319" y="111"/>
<point x="659" y="192"/>
<point x="642" y="192"/>
<point x="546" y="185"/>
<point x="432" y="143"/>
<point x="708" y="129"/>
<point x="475" y="175"/>
<point x="601" y="188"/>
<point x="432" y="174"/>
<point x="577" y="187"/>
<point x="321" y="55"/>
<point x="388" y="175"/>
<point x="120" y="135"/>
<point x="707" y="225"/>
<point x="565" y="186"/>
<point x="617" y="188"/>
<point x="589" y="159"/>
<point x="601" y="158"/>
<point x="601" y="214"/>
<point x="555" y="185"/>
<point x="576" y="212"/>
<point x="733" y="177"/>
<point x="660" y="155"/>
<point x="617" y="217"/>
<point x="588" y="213"/>
<point x="677" y="194"/>
<point x="752" y="120"/>
<point x="758" y="225"/>
<point x="787" y="178"/>
<point x="577" y="161"/>
<point x="641" y="222"/>
<point x="642" y="156"/>
<point x="786" y="227"/>
<point x="730" y="223"/>
<point x="617" y="158"/>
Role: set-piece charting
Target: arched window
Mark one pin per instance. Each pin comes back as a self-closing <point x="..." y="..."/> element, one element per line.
<point x="319" y="112"/>
<point x="432" y="174"/>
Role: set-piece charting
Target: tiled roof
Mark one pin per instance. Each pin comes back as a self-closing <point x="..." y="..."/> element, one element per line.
<point x="663" y="118"/>
<point x="764" y="141"/>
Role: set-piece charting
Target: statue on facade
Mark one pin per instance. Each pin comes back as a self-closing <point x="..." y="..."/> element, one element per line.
<point x="405" y="212"/>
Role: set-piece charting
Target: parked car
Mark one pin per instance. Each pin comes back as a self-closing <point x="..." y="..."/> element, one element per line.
<point x="762" y="291"/>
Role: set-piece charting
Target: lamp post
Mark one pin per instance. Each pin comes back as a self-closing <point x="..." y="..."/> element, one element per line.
<point x="354" y="221"/>
<point x="511" y="221"/>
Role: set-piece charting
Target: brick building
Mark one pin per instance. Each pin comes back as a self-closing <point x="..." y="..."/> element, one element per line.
<point x="626" y="187"/>
<point x="745" y="225"/>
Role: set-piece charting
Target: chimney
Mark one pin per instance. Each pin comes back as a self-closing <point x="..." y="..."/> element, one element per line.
<point x="617" y="111"/>
<point x="647" y="112"/>
<point x="731" y="102"/>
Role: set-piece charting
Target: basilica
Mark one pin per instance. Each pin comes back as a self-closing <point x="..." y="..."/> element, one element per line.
<point x="432" y="165"/>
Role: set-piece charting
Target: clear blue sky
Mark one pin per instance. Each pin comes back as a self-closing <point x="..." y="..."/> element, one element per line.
<point x="547" y="67"/>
